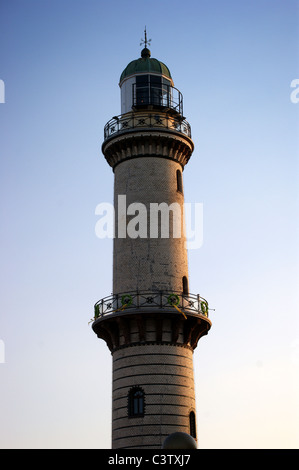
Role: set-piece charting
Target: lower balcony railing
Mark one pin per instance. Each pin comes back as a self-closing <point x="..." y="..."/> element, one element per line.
<point x="184" y="303"/>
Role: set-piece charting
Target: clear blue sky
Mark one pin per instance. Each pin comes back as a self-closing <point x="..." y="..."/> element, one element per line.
<point x="234" y="62"/>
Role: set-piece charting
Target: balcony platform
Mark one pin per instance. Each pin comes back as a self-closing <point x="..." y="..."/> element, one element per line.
<point x="145" y="318"/>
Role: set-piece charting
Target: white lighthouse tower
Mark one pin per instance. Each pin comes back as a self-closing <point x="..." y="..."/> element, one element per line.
<point x="151" y="323"/>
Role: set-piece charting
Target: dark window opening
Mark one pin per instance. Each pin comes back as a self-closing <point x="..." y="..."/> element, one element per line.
<point x="179" y="181"/>
<point x="192" y="424"/>
<point x="152" y="90"/>
<point x="185" y="286"/>
<point x="155" y="90"/>
<point x="136" y="402"/>
<point x="142" y="90"/>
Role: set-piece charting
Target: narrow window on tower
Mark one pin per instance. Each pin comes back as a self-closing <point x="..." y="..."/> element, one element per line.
<point x="136" y="402"/>
<point x="179" y="181"/>
<point x="192" y="424"/>
<point x="185" y="285"/>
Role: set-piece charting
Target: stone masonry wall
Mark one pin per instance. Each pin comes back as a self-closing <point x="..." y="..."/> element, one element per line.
<point x="165" y="374"/>
<point x="149" y="263"/>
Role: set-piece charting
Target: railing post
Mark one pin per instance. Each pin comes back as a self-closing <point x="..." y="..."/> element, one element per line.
<point x="133" y="94"/>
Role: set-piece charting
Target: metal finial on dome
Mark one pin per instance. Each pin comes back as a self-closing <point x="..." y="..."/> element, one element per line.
<point x="145" y="52"/>
<point x="145" y="41"/>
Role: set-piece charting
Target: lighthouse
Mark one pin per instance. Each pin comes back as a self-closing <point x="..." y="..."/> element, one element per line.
<point x="151" y="323"/>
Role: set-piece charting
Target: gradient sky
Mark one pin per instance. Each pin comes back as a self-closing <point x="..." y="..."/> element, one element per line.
<point x="234" y="62"/>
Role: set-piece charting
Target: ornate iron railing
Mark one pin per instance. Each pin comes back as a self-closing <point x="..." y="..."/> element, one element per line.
<point x="128" y="121"/>
<point x="154" y="300"/>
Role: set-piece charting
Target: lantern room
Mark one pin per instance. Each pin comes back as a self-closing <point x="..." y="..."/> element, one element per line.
<point x="146" y="83"/>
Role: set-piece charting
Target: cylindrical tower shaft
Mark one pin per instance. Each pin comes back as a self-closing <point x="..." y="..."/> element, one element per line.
<point x="163" y="373"/>
<point x="152" y="254"/>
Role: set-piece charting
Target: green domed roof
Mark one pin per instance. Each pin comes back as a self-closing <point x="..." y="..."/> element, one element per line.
<point x="145" y="64"/>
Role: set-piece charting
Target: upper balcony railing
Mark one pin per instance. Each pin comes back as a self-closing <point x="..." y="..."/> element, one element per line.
<point x="183" y="303"/>
<point x="139" y="120"/>
<point x="164" y="96"/>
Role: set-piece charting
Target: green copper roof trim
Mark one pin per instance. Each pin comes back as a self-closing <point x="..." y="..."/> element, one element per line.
<point x="145" y="65"/>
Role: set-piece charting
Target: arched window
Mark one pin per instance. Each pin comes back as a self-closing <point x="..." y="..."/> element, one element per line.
<point x="136" y="402"/>
<point x="192" y="424"/>
<point x="179" y="181"/>
<point x="185" y="285"/>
